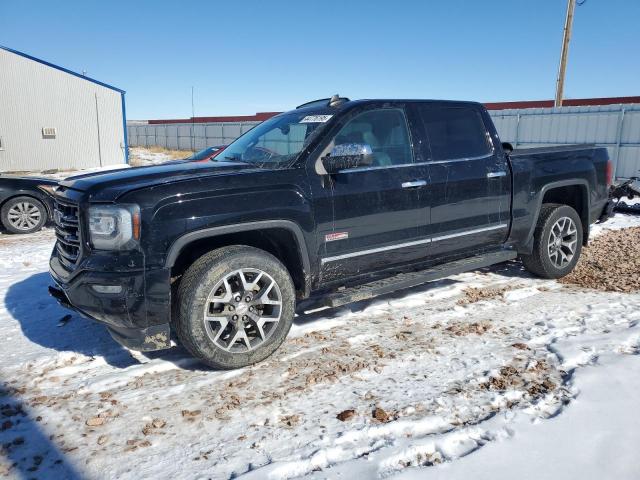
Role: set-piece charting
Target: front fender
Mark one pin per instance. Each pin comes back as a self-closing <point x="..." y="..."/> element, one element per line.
<point x="187" y="238"/>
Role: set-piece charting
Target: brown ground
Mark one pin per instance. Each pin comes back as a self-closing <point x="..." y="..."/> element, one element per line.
<point x="136" y="161"/>
<point x="473" y="294"/>
<point x="611" y="262"/>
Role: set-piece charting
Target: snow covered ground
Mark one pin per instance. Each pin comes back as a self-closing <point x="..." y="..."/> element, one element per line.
<point x="531" y="379"/>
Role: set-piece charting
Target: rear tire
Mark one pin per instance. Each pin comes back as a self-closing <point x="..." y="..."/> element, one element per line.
<point x="23" y="215"/>
<point x="235" y="306"/>
<point x="557" y="242"/>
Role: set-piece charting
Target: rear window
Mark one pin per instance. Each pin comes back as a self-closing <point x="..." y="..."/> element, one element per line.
<point x="454" y="132"/>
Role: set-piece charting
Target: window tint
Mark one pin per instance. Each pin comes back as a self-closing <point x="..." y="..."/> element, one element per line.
<point x="385" y="131"/>
<point x="454" y="132"/>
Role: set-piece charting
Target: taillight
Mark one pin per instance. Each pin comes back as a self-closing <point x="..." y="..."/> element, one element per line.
<point x="609" y="172"/>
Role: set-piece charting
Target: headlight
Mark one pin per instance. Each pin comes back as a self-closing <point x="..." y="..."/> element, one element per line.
<point x="114" y="227"/>
<point x="50" y="189"/>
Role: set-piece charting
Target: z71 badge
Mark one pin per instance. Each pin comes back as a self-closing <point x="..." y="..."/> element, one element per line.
<point x="332" y="237"/>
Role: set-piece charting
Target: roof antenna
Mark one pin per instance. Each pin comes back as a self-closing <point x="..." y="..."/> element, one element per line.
<point x="335" y="100"/>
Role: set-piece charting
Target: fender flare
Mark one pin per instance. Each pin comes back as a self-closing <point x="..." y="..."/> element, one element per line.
<point x="579" y="182"/>
<point x="181" y="242"/>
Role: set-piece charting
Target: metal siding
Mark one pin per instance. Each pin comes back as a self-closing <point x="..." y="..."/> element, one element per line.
<point x="616" y="127"/>
<point x="631" y="127"/>
<point x="34" y="95"/>
<point x="532" y="127"/>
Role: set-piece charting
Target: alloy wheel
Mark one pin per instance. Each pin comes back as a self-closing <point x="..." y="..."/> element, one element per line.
<point x="563" y="239"/>
<point x="242" y="310"/>
<point x="24" y="216"/>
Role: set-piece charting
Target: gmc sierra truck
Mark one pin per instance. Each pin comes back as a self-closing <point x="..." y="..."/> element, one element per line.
<point x="333" y="202"/>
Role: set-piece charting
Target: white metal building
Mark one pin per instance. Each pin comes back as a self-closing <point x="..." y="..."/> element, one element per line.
<point x="53" y="118"/>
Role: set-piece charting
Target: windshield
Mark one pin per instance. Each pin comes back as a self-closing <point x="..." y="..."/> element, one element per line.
<point x="275" y="142"/>
<point x="202" y="154"/>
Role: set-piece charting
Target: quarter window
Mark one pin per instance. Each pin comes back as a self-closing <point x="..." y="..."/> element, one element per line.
<point x="454" y="132"/>
<point x="384" y="130"/>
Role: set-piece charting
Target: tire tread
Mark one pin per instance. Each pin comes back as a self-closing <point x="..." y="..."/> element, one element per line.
<point x="536" y="262"/>
<point x="189" y="283"/>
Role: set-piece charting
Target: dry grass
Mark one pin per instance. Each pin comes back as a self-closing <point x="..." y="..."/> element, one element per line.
<point x="140" y="156"/>
<point x="171" y="153"/>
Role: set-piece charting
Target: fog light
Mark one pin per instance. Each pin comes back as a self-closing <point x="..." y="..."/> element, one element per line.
<point x="107" y="288"/>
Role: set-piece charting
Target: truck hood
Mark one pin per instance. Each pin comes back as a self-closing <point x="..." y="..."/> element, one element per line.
<point x="107" y="186"/>
<point x="28" y="180"/>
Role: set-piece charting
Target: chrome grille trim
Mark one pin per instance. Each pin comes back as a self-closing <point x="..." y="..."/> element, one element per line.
<point x="67" y="220"/>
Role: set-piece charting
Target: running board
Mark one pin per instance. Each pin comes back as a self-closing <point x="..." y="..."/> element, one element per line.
<point x="408" y="280"/>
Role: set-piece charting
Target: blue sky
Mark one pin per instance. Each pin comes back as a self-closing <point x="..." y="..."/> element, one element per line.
<point x="249" y="55"/>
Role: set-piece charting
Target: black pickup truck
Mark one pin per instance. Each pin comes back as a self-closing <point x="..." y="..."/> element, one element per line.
<point x="335" y="201"/>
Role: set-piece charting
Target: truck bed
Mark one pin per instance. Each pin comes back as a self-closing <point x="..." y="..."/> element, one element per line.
<point x="552" y="149"/>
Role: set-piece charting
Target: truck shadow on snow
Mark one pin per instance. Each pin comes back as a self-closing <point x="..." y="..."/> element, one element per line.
<point x="25" y="444"/>
<point x="40" y="318"/>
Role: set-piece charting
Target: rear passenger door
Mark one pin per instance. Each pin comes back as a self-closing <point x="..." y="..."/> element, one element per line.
<point x="469" y="182"/>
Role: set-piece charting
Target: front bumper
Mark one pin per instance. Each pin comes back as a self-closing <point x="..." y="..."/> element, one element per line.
<point x="155" y="337"/>
<point x="138" y="316"/>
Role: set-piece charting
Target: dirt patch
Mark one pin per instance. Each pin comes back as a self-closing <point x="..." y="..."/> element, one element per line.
<point x="381" y="415"/>
<point x="290" y="420"/>
<point x="460" y="329"/>
<point x="346" y="415"/>
<point x="610" y="263"/>
<point x="536" y="380"/>
<point x="473" y="295"/>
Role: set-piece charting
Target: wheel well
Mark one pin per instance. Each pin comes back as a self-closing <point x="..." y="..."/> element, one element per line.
<point x="279" y="242"/>
<point x="574" y="196"/>
<point x="43" y="202"/>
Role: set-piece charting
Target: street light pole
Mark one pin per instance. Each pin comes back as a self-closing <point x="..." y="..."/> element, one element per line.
<point x="568" y="24"/>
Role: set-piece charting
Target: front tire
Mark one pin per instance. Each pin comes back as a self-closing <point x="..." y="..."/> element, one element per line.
<point x="557" y="242"/>
<point x="23" y="215"/>
<point x="235" y="306"/>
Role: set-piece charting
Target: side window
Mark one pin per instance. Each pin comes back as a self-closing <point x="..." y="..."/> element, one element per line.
<point x="454" y="132"/>
<point x="385" y="131"/>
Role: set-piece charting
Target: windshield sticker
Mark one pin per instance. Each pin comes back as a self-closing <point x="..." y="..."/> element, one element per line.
<point x="316" y="118"/>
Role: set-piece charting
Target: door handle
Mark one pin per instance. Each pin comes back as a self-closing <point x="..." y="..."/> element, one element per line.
<point x="414" y="184"/>
<point x="496" y="174"/>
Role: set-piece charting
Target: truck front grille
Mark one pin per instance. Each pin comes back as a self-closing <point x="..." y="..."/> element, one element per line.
<point x="67" y="220"/>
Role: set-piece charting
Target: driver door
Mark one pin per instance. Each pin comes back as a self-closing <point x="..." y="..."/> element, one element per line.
<point x="375" y="216"/>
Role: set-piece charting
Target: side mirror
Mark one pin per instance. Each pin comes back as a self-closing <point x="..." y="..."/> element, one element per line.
<point x="348" y="155"/>
<point x="507" y="147"/>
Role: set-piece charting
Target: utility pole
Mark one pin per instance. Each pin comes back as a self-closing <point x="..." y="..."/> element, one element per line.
<point x="193" y="121"/>
<point x="568" y="24"/>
